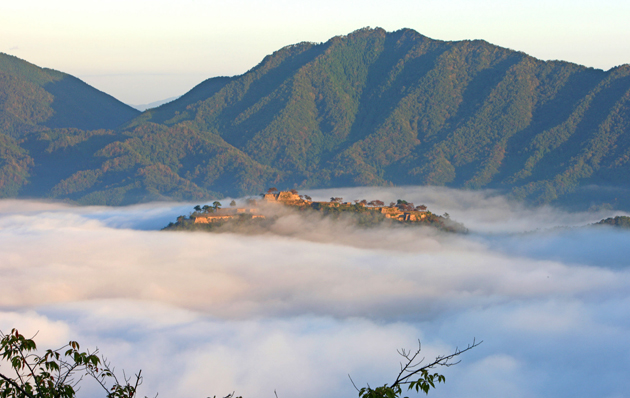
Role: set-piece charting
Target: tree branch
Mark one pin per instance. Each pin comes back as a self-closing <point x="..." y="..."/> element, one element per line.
<point x="439" y="361"/>
<point x="138" y="382"/>
<point x="14" y="384"/>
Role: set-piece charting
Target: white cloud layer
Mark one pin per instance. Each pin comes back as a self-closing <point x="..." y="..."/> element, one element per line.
<point x="298" y="309"/>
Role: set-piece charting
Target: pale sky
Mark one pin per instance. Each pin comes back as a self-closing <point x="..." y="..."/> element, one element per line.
<point x="142" y="51"/>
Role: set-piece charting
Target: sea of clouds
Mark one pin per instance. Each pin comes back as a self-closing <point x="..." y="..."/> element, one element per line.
<point x="299" y="308"/>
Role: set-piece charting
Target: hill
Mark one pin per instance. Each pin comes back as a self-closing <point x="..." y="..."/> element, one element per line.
<point x="369" y="108"/>
<point x="618" y="222"/>
<point x="260" y="216"/>
<point x="144" y="107"/>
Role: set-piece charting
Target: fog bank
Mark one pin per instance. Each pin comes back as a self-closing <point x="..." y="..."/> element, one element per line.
<point x="297" y="309"/>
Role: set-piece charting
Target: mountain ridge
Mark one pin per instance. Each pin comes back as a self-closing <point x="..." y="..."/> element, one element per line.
<point x="59" y="100"/>
<point x="376" y="108"/>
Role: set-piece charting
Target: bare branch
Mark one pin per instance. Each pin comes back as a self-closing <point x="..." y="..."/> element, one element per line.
<point x="352" y="381"/>
<point x="440" y="360"/>
<point x="68" y="371"/>
<point x="138" y="382"/>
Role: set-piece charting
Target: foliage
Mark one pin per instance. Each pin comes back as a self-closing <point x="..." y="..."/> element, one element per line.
<point x="618" y="221"/>
<point x="53" y="373"/>
<point x="414" y="375"/>
<point x="15" y="166"/>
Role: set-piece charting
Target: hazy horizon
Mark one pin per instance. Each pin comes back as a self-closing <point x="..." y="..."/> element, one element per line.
<point x="298" y="309"/>
<point x="143" y="52"/>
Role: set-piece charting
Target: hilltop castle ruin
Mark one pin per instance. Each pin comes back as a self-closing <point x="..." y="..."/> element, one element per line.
<point x="403" y="211"/>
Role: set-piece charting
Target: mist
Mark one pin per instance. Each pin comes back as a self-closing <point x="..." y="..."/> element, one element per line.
<point x="299" y="307"/>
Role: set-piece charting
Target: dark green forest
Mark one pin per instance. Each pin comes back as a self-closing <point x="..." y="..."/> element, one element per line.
<point x="369" y="108"/>
<point x="618" y="221"/>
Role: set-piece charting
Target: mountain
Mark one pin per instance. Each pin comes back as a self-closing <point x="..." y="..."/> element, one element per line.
<point x="33" y="97"/>
<point x="369" y="108"/>
<point x="36" y="100"/>
<point x="144" y="107"/>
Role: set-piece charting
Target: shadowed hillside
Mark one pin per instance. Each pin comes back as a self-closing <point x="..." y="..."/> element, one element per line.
<point x="32" y="101"/>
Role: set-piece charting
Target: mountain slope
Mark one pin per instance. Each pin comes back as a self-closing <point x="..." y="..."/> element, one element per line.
<point x="369" y="108"/>
<point x="151" y="162"/>
<point x="378" y="108"/>
<point x="33" y="97"/>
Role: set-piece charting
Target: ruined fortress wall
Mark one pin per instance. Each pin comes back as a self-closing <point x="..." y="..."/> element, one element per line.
<point x="210" y="219"/>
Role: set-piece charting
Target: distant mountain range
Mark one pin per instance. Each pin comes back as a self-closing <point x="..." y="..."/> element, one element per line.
<point x="144" y="107"/>
<point x="369" y="108"/>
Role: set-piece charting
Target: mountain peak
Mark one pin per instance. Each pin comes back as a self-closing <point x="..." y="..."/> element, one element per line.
<point x="46" y="97"/>
<point x="367" y="108"/>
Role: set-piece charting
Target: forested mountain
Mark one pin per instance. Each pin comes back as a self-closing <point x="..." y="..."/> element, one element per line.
<point x="33" y="97"/>
<point x="369" y="108"/>
<point x="36" y="103"/>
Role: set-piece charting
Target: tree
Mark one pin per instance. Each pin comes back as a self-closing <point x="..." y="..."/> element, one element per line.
<point x="272" y="190"/>
<point x="405" y="206"/>
<point x="52" y="375"/>
<point x="207" y="209"/>
<point x="197" y="208"/>
<point x="308" y="197"/>
<point x="410" y="369"/>
<point x="293" y="191"/>
<point x="233" y="203"/>
<point x="216" y="205"/>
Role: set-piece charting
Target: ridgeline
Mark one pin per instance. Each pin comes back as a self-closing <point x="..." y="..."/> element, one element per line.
<point x="370" y="108"/>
